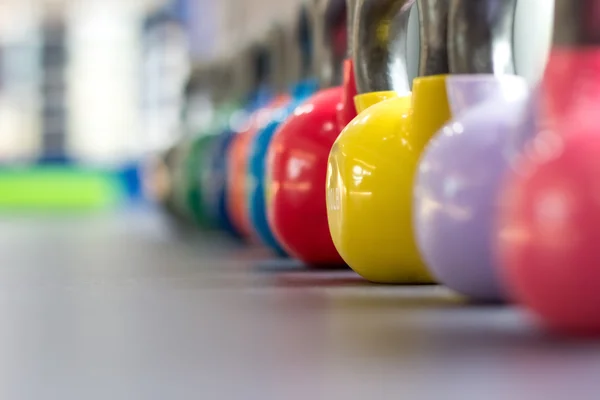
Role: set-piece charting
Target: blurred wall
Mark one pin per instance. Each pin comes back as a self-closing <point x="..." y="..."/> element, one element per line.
<point x="19" y="80"/>
<point x="215" y="29"/>
<point x="241" y="21"/>
<point x="106" y="75"/>
<point x="103" y="75"/>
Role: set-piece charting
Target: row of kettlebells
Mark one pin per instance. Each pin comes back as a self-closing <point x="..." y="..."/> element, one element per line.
<point x="469" y="178"/>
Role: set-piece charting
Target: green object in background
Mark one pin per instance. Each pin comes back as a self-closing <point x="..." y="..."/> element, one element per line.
<point x="191" y="196"/>
<point x="194" y="194"/>
<point x="46" y="187"/>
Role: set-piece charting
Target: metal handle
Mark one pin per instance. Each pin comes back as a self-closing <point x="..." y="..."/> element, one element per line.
<point x="220" y="86"/>
<point x="200" y="79"/>
<point x="480" y="36"/>
<point x="301" y="46"/>
<point x="433" y="18"/>
<point x="351" y="12"/>
<point x="277" y="58"/>
<point x="250" y="69"/>
<point x="379" y="47"/>
<point x="330" y="15"/>
<point x="576" y="22"/>
<point x="212" y="80"/>
<point x="380" y="43"/>
<point x="302" y="54"/>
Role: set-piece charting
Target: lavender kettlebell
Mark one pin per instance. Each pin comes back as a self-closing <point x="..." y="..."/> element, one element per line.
<point x="458" y="180"/>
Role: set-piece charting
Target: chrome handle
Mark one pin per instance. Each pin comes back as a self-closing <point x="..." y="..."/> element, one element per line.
<point x="576" y="22"/>
<point x="304" y="42"/>
<point x="300" y="45"/>
<point x="433" y="18"/>
<point x="351" y="12"/>
<point x="201" y="79"/>
<point x="329" y="16"/>
<point x="250" y="69"/>
<point x="379" y="47"/>
<point x="480" y="36"/>
<point x="221" y="76"/>
<point x="277" y="59"/>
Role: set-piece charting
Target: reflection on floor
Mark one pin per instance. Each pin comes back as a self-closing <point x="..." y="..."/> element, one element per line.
<point x="124" y="307"/>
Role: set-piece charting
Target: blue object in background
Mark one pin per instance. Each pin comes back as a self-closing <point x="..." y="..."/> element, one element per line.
<point x="215" y="168"/>
<point x="131" y="178"/>
<point x="257" y="164"/>
<point x="259" y="99"/>
<point x="215" y="182"/>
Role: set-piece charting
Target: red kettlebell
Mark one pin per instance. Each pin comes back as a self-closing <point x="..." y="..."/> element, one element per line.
<point x="298" y="154"/>
<point x="549" y="222"/>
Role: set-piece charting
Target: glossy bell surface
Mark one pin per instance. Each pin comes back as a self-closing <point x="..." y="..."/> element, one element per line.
<point x="297" y="156"/>
<point x="372" y="164"/>
<point x="192" y="175"/>
<point x="195" y="168"/>
<point x="549" y="223"/>
<point x="296" y="169"/>
<point x="459" y="178"/>
<point x="370" y="181"/>
<point x="237" y="165"/>
<point x="213" y="178"/>
<point x="257" y="165"/>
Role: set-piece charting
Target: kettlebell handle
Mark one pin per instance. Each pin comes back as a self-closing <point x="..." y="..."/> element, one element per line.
<point x="380" y="48"/>
<point x="328" y="16"/>
<point x="278" y="60"/>
<point x="251" y="69"/>
<point x="201" y="78"/>
<point x="480" y="36"/>
<point x="576" y="22"/>
<point x="433" y="17"/>
<point x="302" y="44"/>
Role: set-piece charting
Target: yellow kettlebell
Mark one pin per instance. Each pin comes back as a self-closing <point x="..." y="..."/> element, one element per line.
<point x="373" y="163"/>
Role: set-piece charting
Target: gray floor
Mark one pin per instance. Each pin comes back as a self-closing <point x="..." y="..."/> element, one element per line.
<point x="118" y="307"/>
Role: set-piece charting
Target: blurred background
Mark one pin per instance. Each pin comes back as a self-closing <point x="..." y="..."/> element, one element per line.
<point x="88" y="88"/>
